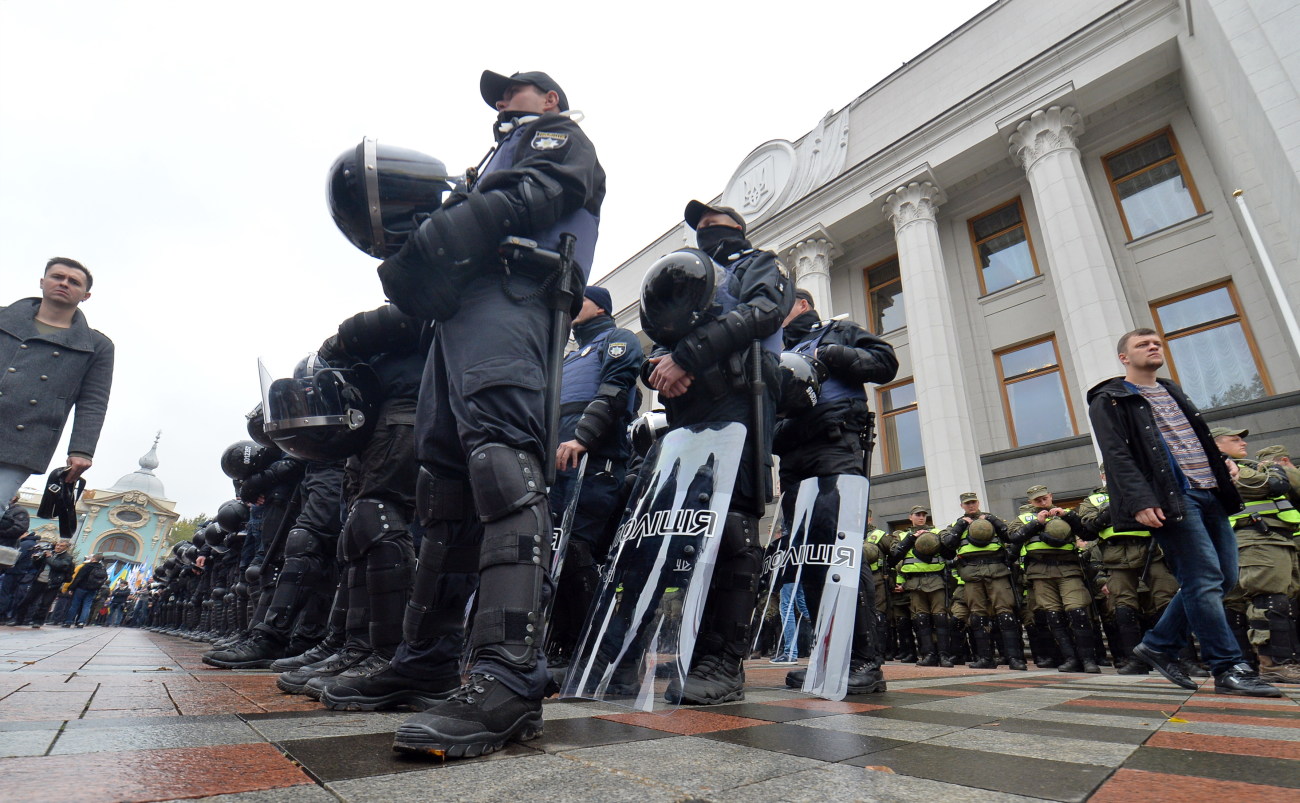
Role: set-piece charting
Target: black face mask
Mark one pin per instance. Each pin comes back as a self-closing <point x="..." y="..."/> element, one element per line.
<point x="720" y="242"/>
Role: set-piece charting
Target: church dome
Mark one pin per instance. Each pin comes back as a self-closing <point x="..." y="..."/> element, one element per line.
<point x="143" y="478"/>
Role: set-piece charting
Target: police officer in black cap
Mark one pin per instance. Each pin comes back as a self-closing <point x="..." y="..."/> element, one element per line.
<point x="598" y="400"/>
<point x="705" y="377"/>
<point x="480" y="423"/>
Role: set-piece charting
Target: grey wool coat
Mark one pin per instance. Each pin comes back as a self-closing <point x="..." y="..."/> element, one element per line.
<point x="42" y="377"/>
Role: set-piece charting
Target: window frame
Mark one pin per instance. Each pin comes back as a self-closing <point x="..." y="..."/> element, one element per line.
<point x="1003" y="382"/>
<point x="1239" y="318"/>
<point x="102" y="545"/>
<point x="885" y="415"/>
<point x="867" y="286"/>
<point x="975" y="243"/>
<point x="1167" y="131"/>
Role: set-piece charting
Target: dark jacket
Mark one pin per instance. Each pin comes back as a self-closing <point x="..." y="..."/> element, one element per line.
<point x="24" y="563"/>
<point x="1139" y="474"/>
<point x="44" y="377"/>
<point x="60" y="566"/>
<point x="13" y="524"/>
<point x="826" y="439"/>
<point x="91" y="576"/>
<point x="599" y="395"/>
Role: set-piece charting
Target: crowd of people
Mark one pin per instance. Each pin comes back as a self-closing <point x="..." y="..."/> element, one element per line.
<point x="427" y="512"/>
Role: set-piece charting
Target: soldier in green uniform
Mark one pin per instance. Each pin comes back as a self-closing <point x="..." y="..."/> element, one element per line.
<point x="1046" y="535"/>
<point x="919" y="570"/>
<point x="980" y="559"/>
<point x="1266" y="552"/>
<point x="1279" y="456"/>
<point x="1130" y="559"/>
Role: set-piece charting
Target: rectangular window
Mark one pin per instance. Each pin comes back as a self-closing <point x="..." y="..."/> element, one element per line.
<point x="1209" y="347"/>
<point x="885" y="297"/>
<point x="1002" y="247"/>
<point x="1033" y="393"/>
<point x="902" y="427"/>
<point x="1151" y="184"/>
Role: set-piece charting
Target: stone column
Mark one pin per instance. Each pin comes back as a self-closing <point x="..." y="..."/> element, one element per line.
<point x="811" y="261"/>
<point x="952" y="463"/>
<point x="1088" y="288"/>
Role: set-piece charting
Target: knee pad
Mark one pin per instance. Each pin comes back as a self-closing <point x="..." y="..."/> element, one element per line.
<point x="1126" y="616"/>
<point x="1055" y="619"/>
<point x="739" y="534"/>
<point x="922" y="620"/>
<point x="1008" y="621"/>
<point x="388" y="568"/>
<point x="504" y="479"/>
<point x="980" y="623"/>
<point x="438" y="499"/>
<point x="1079" y="619"/>
<point x="942" y="621"/>
<point x="1273" y="605"/>
<point x="230" y="599"/>
<point x="369" y="522"/>
<point x="302" y="542"/>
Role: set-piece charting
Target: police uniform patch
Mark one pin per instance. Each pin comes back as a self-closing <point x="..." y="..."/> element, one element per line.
<point x="549" y="141"/>
<point x="616" y="350"/>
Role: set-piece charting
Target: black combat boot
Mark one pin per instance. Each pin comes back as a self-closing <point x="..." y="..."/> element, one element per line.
<point x="383" y="689"/>
<point x="1012" y="646"/>
<point x="257" y="652"/>
<point x="476" y="719"/>
<point x="981" y="634"/>
<point x="923" y="625"/>
<point x="1085" y="639"/>
<point x="298" y="681"/>
<point x="1061" y="633"/>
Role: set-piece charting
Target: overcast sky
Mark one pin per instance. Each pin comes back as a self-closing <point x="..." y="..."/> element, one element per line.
<point x="180" y="151"/>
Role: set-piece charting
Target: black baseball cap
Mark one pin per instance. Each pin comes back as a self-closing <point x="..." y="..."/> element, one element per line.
<point x="696" y="210"/>
<point x="493" y="86"/>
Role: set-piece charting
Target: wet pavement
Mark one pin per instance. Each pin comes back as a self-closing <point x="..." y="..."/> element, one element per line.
<point x="125" y="715"/>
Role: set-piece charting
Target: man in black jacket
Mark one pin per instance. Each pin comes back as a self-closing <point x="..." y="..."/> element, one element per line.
<point x="1166" y="475"/>
<point x="89" y="579"/>
<point x="833" y="438"/>
<point x="55" y="569"/>
<point x="704" y="378"/>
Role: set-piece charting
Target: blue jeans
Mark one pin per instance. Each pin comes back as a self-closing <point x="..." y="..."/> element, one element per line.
<point x="791" y="596"/>
<point x="1201" y="550"/>
<point x="83" y="599"/>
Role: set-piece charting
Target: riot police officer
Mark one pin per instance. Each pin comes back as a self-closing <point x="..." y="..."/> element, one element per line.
<point x="834" y="437"/>
<point x="705" y="375"/>
<point x="598" y="399"/>
<point x="480" y="423"/>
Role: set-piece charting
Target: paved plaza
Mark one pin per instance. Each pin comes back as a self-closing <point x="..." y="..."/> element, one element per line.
<point x="117" y="714"/>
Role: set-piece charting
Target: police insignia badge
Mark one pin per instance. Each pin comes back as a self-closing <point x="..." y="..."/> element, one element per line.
<point x="585" y="352"/>
<point x="549" y="141"/>
<point x="616" y="350"/>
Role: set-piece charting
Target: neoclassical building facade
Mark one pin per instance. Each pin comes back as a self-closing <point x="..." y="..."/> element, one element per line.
<point x="1006" y="204"/>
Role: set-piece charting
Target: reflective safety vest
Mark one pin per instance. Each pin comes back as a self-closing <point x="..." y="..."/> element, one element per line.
<point x="913" y="564"/>
<point x="1037" y="543"/>
<point x="1279" y="507"/>
<point x="874" y="537"/>
<point x="1099" y="500"/>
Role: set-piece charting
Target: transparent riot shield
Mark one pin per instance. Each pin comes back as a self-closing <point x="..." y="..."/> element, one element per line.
<point x="815" y="555"/>
<point x="642" y="627"/>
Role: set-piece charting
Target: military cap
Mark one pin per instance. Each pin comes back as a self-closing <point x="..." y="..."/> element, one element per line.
<point x="1269" y="452"/>
<point x="1036" y="491"/>
<point x="970" y="496"/>
<point x="696" y="210"/>
<point x="492" y="86"/>
<point x="920" y="509"/>
<point x="1219" y="432"/>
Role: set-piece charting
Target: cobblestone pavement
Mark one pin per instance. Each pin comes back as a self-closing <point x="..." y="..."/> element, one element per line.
<point x="117" y="714"/>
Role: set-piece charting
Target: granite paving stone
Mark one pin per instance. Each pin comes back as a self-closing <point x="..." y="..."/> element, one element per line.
<point x="572" y="733"/>
<point x="702" y="766"/>
<point x="1054" y="748"/>
<point x="1127" y="786"/>
<point x="153" y="736"/>
<point x="875" y="726"/>
<point x="1227" y="729"/>
<point x="341" y="757"/>
<point x="26" y="742"/>
<point x="1033" y="777"/>
<point x="849" y="781"/>
<point x="564" y="780"/>
<point x="1220" y="766"/>
<point x="321" y="723"/>
<point x="1097" y="733"/>
<point x="1235" y="745"/>
<point x="790" y="739"/>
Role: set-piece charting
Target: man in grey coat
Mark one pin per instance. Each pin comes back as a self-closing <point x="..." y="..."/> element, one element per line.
<point x="50" y="362"/>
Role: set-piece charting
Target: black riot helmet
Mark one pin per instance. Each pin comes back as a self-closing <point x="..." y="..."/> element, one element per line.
<point x="232" y="516"/>
<point x="801" y="382"/>
<point x="677" y="295"/>
<point x="243" y="459"/>
<point x="257" y="427"/>
<point x="376" y="191"/>
<point x="646" y="429"/>
<point x="321" y="413"/>
<point x="200" y="537"/>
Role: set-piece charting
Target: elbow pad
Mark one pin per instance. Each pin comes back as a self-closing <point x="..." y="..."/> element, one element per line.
<point x="596" y="420"/>
<point x="537" y="198"/>
<point x="1277" y="483"/>
<point x="715" y="341"/>
<point x="386" y="330"/>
